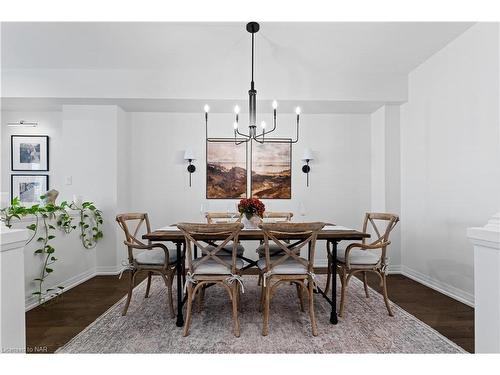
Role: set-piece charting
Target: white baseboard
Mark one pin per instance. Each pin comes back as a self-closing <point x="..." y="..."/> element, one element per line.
<point x="444" y="288"/>
<point x="108" y="270"/>
<point x="32" y="302"/>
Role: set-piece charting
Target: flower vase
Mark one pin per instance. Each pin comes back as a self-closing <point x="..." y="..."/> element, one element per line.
<point x="252" y="222"/>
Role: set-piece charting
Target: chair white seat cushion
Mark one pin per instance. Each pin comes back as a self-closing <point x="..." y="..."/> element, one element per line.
<point x="229" y="247"/>
<point x="155" y="257"/>
<point x="213" y="267"/>
<point x="273" y="249"/>
<point x="289" y="267"/>
<point x="359" y="257"/>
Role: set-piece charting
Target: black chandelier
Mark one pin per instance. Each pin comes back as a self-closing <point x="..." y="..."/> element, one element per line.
<point x="253" y="134"/>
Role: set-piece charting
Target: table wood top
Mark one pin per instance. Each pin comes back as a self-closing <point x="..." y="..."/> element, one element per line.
<point x="175" y="235"/>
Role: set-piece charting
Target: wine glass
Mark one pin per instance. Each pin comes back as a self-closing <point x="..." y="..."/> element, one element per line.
<point x="302" y="209"/>
<point x="230" y="211"/>
<point x="203" y="211"/>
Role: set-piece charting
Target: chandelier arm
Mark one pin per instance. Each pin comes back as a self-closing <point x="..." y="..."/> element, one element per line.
<point x="243" y="135"/>
<point x="297" y="136"/>
<point x="267" y="132"/>
<point x="206" y="125"/>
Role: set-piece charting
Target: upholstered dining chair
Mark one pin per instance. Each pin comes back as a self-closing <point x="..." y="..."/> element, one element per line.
<point x="213" y="267"/>
<point x="288" y="266"/>
<point x="365" y="257"/>
<point x="154" y="258"/>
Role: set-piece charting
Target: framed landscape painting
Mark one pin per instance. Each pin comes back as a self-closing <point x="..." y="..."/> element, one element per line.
<point x="29" y="152"/>
<point x="226" y="170"/>
<point x="272" y="171"/>
<point x="28" y="188"/>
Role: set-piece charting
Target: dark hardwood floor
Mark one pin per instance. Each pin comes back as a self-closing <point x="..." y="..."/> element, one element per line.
<point x="52" y="325"/>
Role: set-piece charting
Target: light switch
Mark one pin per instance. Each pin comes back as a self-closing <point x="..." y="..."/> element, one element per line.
<point x="69" y="180"/>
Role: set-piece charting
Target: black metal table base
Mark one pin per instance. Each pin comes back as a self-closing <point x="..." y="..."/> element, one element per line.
<point x="181" y="299"/>
<point x="180" y="275"/>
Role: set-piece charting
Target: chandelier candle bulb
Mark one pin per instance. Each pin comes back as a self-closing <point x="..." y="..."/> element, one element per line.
<point x="275" y="104"/>
<point x="206" y="108"/>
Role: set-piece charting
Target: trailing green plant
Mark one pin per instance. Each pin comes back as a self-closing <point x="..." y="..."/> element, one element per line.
<point x="90" y="224"/>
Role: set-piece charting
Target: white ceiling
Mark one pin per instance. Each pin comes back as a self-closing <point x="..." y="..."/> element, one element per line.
<point x="340" y="47"/>
<point x="175" y="67"/>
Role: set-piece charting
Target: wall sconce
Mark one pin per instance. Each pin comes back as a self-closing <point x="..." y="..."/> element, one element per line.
<point x="307" y="157"/>
<point x="189" y="156"/>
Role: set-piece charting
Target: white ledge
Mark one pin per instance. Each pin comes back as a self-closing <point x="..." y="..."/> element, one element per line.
<point x="32" y="219"/>
<point x="8" y="237"/>
<point x="489" y="235"/>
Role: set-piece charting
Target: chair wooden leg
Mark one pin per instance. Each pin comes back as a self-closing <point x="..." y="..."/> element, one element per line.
<point x="311" y="307"/>
<point x="300" y="295"/>
<point x="343" y="292"/>
<point x="187" y="322"/>
<point x="238" y="295"/>
<point x="265" y="327"/>
<point x="365" y="283"/>
<point x="386" y="299"/>
<point x="148" y="286"/>
<point x="262" y="296"/>
<point x="328" y="275"/>
<point x="130" y="289"/>
<point x="234" y="299"/>
<point x="198" y="299"/>
<point x="168" y="284"/>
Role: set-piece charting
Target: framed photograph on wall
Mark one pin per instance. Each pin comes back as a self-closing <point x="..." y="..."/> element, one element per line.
<point x="28" y="187"/>
<point x="29" y="152"/>
<point x="226" y="170"/>
<point x="272" y="170"/>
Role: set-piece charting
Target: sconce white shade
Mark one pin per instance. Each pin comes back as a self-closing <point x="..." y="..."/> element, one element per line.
<point x="188" y="154"/>
<point x="308" y="155"/>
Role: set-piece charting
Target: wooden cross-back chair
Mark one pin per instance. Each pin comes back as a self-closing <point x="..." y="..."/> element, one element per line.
<point x="288" y="266"/>
<point x="362" y="257"/>
<point x="214" y="267"/>
<point x="155" y="258"/>
<point x="277" y="217"/>
<point x="224" y="218"/>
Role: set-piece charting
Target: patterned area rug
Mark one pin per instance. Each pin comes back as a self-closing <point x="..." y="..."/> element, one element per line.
<point x="366" y="327"/>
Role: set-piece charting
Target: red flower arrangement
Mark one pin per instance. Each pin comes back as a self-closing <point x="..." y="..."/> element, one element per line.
<point x="250" y="207"/>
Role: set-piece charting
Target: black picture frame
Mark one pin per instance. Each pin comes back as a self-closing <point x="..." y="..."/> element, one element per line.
<point x="46" y="154"/>
<point x="12" y="177"/>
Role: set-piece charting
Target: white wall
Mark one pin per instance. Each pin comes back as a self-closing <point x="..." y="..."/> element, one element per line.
<point x="450" y="159"/>
<point x="386" y="174"/>
<point x="88" y="144"/>
<point x="91" y="147"/>
<point x="339" y="188"/>
<point x="49" y="123"/>
<point x="377" y="158"/>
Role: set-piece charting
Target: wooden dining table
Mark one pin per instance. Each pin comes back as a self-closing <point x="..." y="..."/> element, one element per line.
<point x="330" y="233"/>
